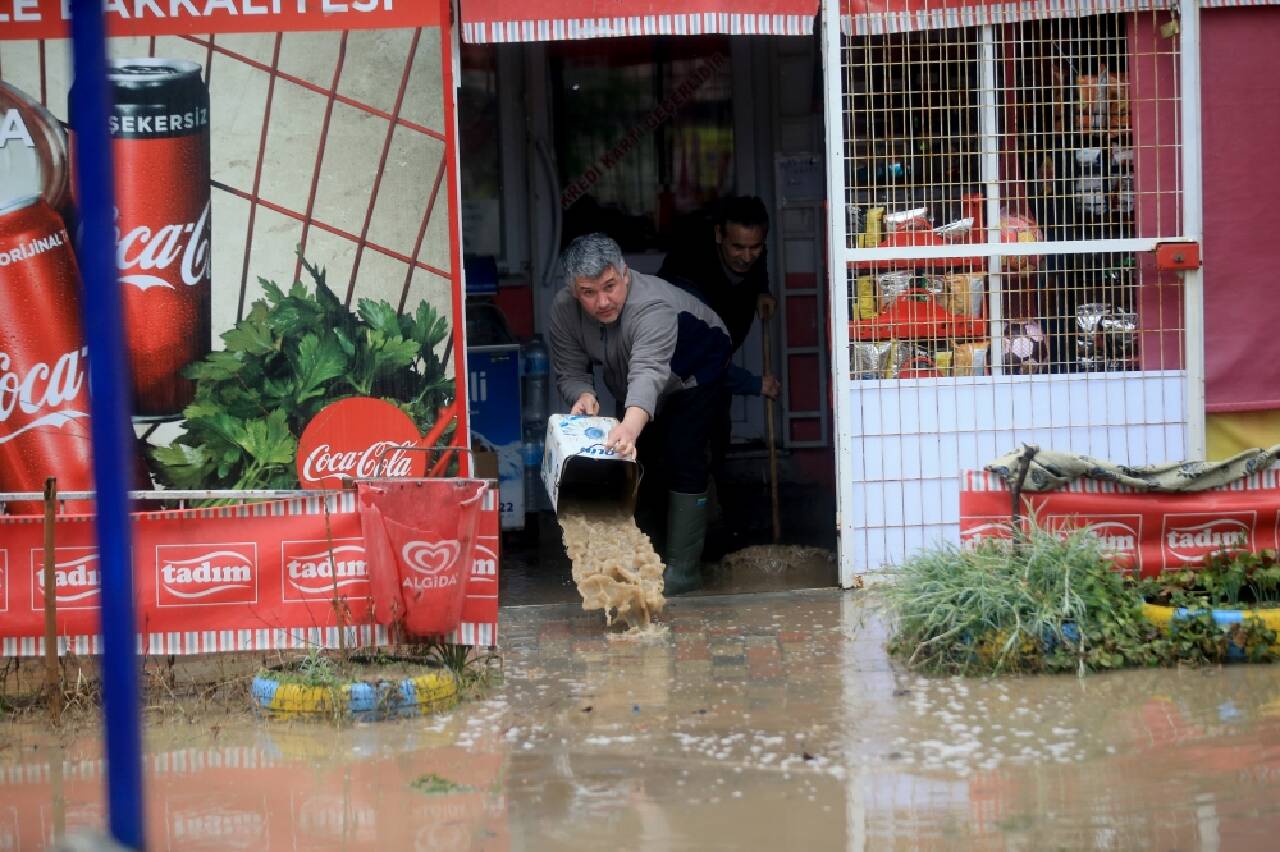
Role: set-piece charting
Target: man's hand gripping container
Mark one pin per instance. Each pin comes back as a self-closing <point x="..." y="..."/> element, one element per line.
<point x="577" y="467"/>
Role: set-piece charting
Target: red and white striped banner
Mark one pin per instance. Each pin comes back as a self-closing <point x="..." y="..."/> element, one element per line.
<point x="983" y="480"/>
<point x="252" y="577"/>
<point x="557" y="20"/>
<point x="877" y="17"/>
<point x="1143" y="532"/>
<point x="486" y="21"/>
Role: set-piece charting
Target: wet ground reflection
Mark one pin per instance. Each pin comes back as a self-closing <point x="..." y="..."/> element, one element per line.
<point x="770" y="721"/>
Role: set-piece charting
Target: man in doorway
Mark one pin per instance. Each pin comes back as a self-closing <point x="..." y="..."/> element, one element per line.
<point x="663" y="354"/>
<point x="728" y="268"/>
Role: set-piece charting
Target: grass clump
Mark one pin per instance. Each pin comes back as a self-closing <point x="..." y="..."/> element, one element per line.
<point x="433" y="785"/>
<point x="475" y="668"/>
<point x="1043" y="600"/>
<point x="315" y="669"/>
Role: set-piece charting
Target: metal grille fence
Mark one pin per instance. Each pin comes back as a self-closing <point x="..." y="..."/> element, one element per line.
<point x="1003" y="188"/>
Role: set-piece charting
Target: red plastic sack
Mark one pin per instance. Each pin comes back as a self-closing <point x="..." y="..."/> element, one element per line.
<point x="419" y="536"/>
<point x="917" y="315"/>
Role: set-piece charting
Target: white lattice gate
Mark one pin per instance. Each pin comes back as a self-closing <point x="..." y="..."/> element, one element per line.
<point x="1000" y="179"/>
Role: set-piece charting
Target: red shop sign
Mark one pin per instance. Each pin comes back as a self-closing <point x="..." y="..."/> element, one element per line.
<point x="32" y="19"/>
<point x="358" y="438"/>
<point x="1143" y="532"/>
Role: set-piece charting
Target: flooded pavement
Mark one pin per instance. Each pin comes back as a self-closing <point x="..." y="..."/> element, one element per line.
<point x="536" y="568"/>
<point x="538" y="571"/>
<point x="765" y="721"/>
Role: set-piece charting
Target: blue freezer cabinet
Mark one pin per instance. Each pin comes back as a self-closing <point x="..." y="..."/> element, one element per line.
<point x="493" y="386"/>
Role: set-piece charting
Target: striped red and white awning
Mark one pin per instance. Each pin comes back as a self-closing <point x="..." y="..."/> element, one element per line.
<point x="874" y="17"/>
<point x="555" y="20"/>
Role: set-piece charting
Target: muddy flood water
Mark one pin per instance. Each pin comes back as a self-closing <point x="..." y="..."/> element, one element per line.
<point x="757" y="722"/>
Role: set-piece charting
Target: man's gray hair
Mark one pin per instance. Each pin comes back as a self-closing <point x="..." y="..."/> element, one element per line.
<point x="588" y="256"/>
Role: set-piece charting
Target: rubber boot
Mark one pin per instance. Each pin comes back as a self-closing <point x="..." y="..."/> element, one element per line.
<point x="686" y="532"/>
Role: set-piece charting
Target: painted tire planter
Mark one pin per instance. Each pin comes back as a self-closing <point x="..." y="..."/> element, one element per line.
<point x="1163" y="617"/>
<point x="361" y="700"/>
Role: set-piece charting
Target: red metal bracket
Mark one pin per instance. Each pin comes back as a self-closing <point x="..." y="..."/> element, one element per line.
<point x="1177" y="256"/>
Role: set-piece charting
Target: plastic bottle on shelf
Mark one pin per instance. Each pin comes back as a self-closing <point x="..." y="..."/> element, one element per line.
<point x="531" y="455"/>
<point x="537" y="369"/>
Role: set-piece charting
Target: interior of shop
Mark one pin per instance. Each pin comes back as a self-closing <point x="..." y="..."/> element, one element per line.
<point x="1024" y="134"/>
<point x="639" y="138"/>
<point x="1056" y="141"/>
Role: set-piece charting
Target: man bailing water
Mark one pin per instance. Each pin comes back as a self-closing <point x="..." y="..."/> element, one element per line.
<point x="664" y="354"/>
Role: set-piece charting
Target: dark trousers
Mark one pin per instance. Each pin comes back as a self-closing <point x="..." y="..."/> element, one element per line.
<point x="721" y="435"/>
<point x="675" y="451"/>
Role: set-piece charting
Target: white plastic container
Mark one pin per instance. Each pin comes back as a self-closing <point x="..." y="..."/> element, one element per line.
<point x="576" y="464"/>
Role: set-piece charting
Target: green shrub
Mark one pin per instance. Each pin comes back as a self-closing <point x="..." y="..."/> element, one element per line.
<point x="1046" y="600"/>
<point x="1050" y="600"/>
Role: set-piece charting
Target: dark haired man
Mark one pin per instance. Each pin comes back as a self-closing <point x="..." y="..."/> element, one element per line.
<point x="731" y="274"/>
<point x="663" y="354"/>
<point x="728" y="268"/>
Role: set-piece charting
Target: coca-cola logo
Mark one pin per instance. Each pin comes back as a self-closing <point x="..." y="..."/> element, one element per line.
<point x="430" y="561"/>
<point x="358" y="438"/>
<point x="145" y="255"/>
<point x="42" y="391"/>
<point x="1117" y="535"/>
<point x="77" y="578"/>
<point x="4" y="582"/>
<point x="311" y="574"/>
<point x="206" y="574"/>
<point x="379" y="459"/>
<point x="1186" y="539"/>
<point x="973" y="531"/>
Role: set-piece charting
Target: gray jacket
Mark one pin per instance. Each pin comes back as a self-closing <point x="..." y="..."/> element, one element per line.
<point x="663" y="341"/>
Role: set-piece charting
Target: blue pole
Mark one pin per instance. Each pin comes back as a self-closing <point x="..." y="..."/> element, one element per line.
<point x="112" y="430"/>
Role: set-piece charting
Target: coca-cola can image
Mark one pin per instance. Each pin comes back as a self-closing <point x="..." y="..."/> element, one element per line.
<point x="159" y="129"/>
<point x="44" y="391"/>
<point x="33" y="150"/>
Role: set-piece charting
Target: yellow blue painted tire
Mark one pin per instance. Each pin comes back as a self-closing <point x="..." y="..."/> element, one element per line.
<point x="359" y="700"/>
<point x="1163" y="616"/>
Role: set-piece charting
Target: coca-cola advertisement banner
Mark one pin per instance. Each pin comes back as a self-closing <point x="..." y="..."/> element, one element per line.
<point x="1144" y="533"/>
<point x="242" y="578"/>
<point x="35" y="19"/>
<point x="287" y="241"/>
